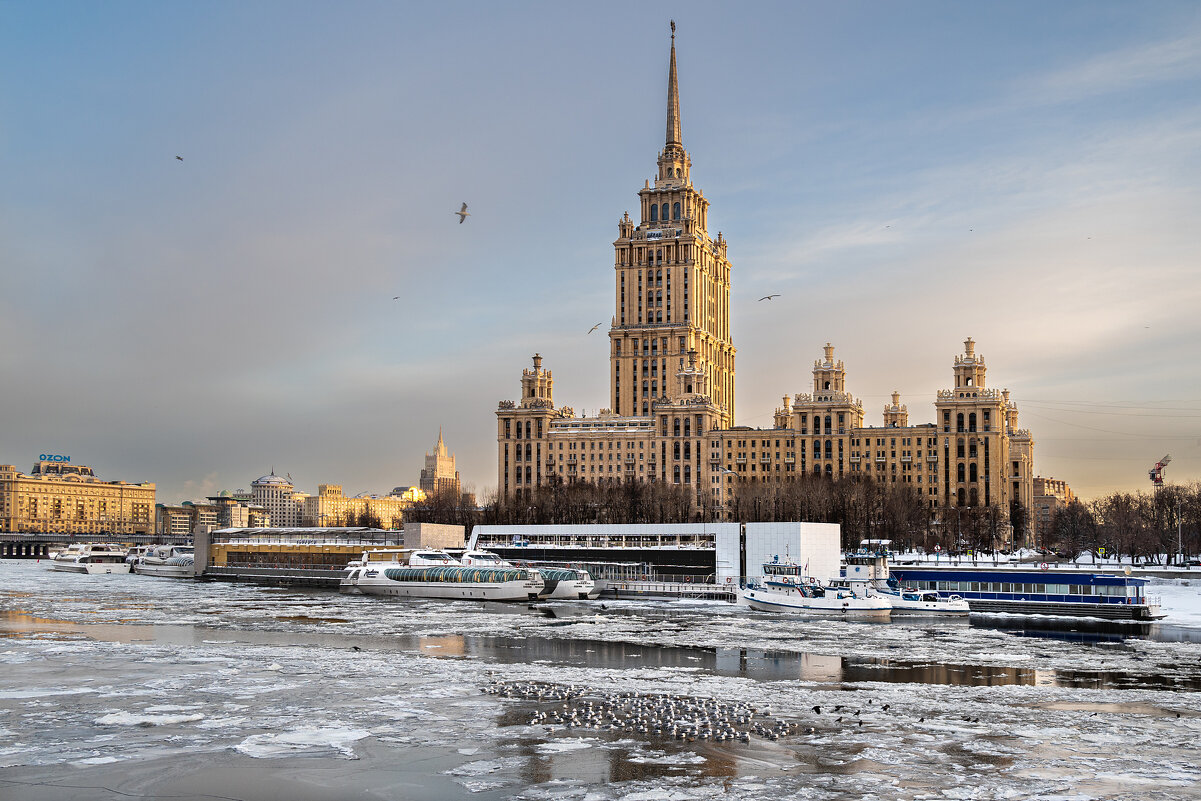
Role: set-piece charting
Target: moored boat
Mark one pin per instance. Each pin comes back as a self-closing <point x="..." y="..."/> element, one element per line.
<point x="426" y="573"/>
<point x="786" y="588"/>
<point x="91" y="557"/>
<point x="1057" y="592"/>
<point x="171" y="561"/>
<point x="559" y="583"/>
<point x="867" y="572"/>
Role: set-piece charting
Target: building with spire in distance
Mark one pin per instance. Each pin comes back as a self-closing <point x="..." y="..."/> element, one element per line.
<point x="671" y="372"/>
<point x="439" y="475"/>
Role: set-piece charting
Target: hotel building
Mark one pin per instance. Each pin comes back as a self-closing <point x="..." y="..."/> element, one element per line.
<point x="671" y="372"/>
<point x="63" y="498"/>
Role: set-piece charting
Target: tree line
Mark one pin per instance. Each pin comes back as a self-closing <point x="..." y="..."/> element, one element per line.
<point x="1134" y="525"/>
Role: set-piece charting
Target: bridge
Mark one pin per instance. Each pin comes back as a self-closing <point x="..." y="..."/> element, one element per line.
<point x="37" y="545"/>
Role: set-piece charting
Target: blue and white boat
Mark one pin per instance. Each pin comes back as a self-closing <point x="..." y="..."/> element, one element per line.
<point x="1046" y="591"/>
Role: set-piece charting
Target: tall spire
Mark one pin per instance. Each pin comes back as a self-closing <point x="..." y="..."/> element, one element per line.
<point x="673" y="97"/>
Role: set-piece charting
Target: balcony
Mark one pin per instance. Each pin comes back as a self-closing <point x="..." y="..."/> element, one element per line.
<point x="740" y="460"/>
<point x="932" y="458"/>
<point x="854" y="460"/>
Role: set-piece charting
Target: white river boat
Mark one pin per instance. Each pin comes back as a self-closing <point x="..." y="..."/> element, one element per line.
<point x="559" y="583"/>
<point x="91" y="557"/>
<point x="170" y="561"/>
<point x="432" y="574"/>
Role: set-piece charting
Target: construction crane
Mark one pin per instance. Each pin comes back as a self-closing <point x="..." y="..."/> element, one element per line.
<point x="1156" y="473"/>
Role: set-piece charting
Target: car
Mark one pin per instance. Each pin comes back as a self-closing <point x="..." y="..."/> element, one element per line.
<point x="1193" y="563"/>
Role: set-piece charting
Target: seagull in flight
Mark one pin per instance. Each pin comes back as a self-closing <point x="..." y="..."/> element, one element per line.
<point x="396" y="297"/>
<point x="593" y="328"/>
<point x="463" y="213"/>
<point x="769" y="297"/>
<point x="179" y="158"/>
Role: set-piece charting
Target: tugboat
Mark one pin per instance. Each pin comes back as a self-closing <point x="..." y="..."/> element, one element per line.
<point x="786" y="588"/>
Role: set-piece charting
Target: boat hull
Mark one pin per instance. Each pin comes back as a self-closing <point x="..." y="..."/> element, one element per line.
<point x="949" y="606"/>
<point x="165" y="571"/>
<point x="90" y="567"/>
<point x="463" y="591"/>
<point x="858" y="608"/>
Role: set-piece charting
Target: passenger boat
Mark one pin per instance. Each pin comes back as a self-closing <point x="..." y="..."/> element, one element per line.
<point x="171" y="561"/>
<point x="1045" y="591"/>
<point x="785" y="588"/>
<point x="559" y="583"/>
<point x="868" y="569"/>
<point x="91" y="557"/>
<point x="426" y="573"/>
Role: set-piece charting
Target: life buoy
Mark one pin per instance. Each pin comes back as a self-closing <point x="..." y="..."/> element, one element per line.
<point x="729" y="580"/>
<point x="1043" y="565"/>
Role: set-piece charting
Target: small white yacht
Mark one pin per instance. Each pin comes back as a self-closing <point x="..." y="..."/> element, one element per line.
<point x="868" y="567"/>
<point x="559" y="583"/>
<point x="91" y="557"/>
<point x="172" y="561"/>
<point x="786" y="588"/>
<point x="433" y="574"/>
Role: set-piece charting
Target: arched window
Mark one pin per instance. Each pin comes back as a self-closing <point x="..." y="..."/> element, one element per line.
<point x="972" y="474"/>
<point x="973" y="497"/>
<point x="827" y="430"/>
<point x="829" y="471"/>
<point x="664" y="212"/>
<point x="971" y="422"/>
<point x="826" y="385"/>
<point x="654" y="213"/>
<point x="659" y="253"/>
<point x="971" y="449"/>
<point x="959" y="473"/>
<point x="829" y="449"/>
<point x="962" y="496"/>
<point x="959" y="448"/>
<point x="959" y="422"/>
<point x="675" y="451"/>
<point x="675" y="211"/>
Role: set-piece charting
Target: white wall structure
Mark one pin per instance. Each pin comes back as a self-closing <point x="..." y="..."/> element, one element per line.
<point x="816" y="545"/>
<point x="738" y="551"/>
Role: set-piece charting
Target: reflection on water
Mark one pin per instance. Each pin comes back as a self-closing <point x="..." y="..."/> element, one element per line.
<point x="761" y="665"/>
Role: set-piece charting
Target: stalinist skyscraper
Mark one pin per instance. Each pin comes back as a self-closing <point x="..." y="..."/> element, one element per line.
<point x="672" y="286"/>
<point x="671" y="400"/>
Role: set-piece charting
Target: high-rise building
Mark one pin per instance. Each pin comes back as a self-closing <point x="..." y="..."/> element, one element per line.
<point x="671" y="371"/>
<point x="1050" y="495"/>
<point x="277" y="495"/>
<point x="439" y="474"/>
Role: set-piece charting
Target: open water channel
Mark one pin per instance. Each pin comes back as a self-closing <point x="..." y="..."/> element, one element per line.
<point x="132" y="686"/>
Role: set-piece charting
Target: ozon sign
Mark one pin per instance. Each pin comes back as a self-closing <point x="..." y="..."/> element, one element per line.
<point x="53" y="457"/>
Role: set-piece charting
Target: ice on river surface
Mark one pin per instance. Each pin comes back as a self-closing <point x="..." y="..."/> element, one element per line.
<point x="104" y="680"/>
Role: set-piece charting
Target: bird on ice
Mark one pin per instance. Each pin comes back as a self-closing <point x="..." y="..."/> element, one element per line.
<point x="769" y="297"/>
<point x="593" y="328"/>
<point x="463" y="213"/>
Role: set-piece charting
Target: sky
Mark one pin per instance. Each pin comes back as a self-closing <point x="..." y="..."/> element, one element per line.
<point x="904" y="175"/>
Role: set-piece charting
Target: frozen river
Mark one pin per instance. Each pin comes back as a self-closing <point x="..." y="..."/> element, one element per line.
<point x="132" y="686"/>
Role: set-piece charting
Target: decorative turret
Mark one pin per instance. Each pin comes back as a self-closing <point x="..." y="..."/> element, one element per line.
<point x="828" y="376"/>
<point x="969" y="368"/>
<point x="537" y="386"/>
<point x="896" y="415"/>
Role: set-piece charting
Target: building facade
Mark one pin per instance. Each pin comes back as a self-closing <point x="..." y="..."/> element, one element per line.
<point x="279" y="497"/>
<point x="1050" y="495"/>
<point x="64" y="498"/>
<point x="439" y="474"/>
<point x="671" y="372"/>
<point x="330" y="507"/>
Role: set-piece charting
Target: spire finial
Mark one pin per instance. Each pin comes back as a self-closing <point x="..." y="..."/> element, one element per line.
<point x="673" y="97"/>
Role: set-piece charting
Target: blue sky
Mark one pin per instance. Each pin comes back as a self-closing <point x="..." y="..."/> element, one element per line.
<point x="904" y="175"/>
